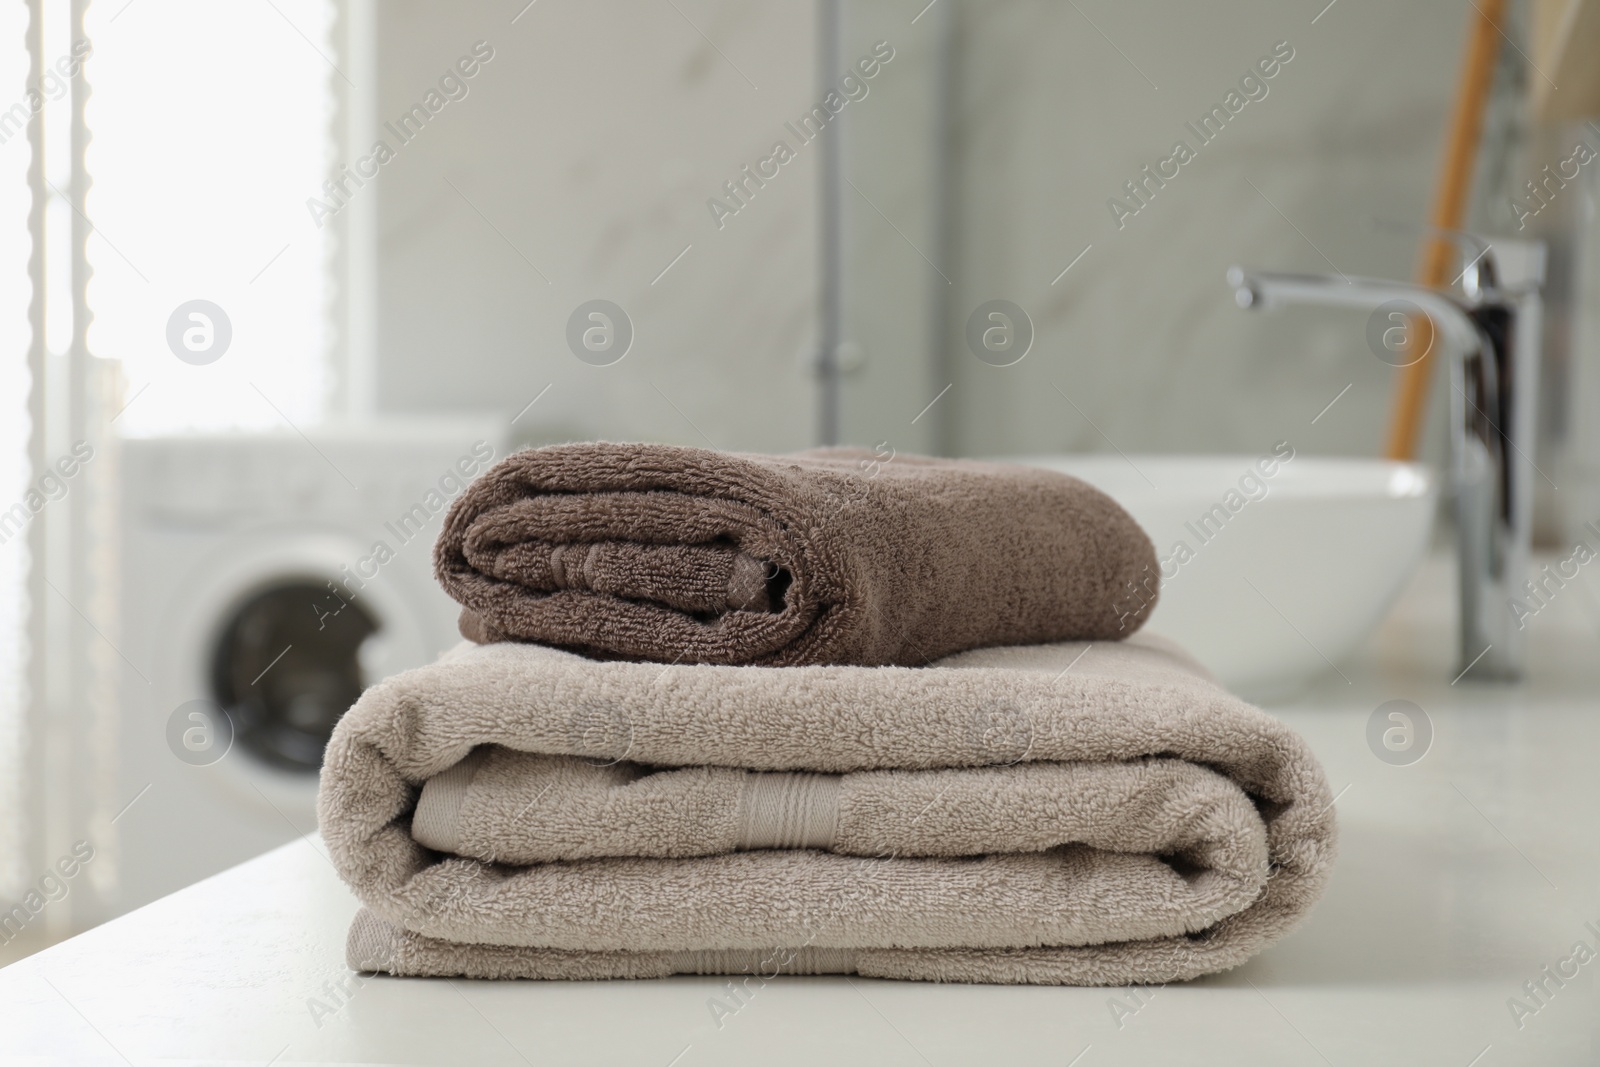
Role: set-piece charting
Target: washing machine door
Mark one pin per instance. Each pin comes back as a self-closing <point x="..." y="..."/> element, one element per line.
<point x="286" y="664"/>
<point x="273" y="631"/>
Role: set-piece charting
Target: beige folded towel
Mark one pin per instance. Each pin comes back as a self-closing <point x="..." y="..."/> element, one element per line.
<point x="839" y="556"/>
<point x="1054" y="813"/>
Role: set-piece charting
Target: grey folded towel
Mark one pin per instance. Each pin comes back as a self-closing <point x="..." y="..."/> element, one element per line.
<point x="840" y="556"/>
<point x="1054" y="813"/>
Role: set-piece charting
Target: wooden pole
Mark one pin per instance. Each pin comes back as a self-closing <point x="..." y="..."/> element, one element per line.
<point x="1449" y="208"/>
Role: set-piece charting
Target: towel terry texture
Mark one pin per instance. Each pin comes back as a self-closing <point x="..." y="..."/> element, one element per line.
<point x="835" y="556"/>
<point x="1054" y="813"/>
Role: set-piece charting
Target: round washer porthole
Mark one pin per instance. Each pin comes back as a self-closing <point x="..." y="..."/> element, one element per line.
<point x="286" y="666"/>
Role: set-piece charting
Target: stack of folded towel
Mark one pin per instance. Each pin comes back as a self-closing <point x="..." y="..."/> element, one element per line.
<point x="836" y="712"/>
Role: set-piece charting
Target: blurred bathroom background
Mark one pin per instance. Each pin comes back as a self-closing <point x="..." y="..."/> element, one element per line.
<point x="258" y="344"/>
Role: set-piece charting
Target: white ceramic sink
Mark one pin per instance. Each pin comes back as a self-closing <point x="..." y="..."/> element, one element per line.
<point x="1272" y="570"/>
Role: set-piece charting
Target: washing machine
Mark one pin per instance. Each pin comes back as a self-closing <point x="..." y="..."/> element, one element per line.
<point x="265" y="580"/>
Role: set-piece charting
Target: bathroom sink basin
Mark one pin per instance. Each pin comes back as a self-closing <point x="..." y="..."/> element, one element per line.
<point x="1273" y="569"/>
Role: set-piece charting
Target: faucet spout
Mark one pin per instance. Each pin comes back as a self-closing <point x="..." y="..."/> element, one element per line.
<point x="1270" y="290"/>
<point x="1491" y="336"/>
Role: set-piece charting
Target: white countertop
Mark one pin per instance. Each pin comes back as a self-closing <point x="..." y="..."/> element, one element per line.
<point x="1460" y="877"/>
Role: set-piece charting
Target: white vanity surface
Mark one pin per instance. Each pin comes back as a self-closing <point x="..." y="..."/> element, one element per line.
<point x="1461" y="877"/>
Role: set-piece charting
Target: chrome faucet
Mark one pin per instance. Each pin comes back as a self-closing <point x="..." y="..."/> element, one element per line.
<point x="1489" y="330"/>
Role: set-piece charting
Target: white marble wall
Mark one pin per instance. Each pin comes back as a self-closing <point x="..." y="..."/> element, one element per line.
<point x="1055" y="112"/>
<point x="592" y="140"/>
<point x="582" y="159"/>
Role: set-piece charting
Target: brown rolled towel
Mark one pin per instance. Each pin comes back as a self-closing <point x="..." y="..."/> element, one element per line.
<point x="834" y="556"/>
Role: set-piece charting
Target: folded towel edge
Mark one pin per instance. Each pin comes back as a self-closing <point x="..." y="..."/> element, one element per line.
<point x="436" y="824"/>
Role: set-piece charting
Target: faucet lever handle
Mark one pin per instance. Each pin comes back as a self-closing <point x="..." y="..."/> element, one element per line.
<point x="1480" y="272"/>
<point x="1467" y="243"/>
